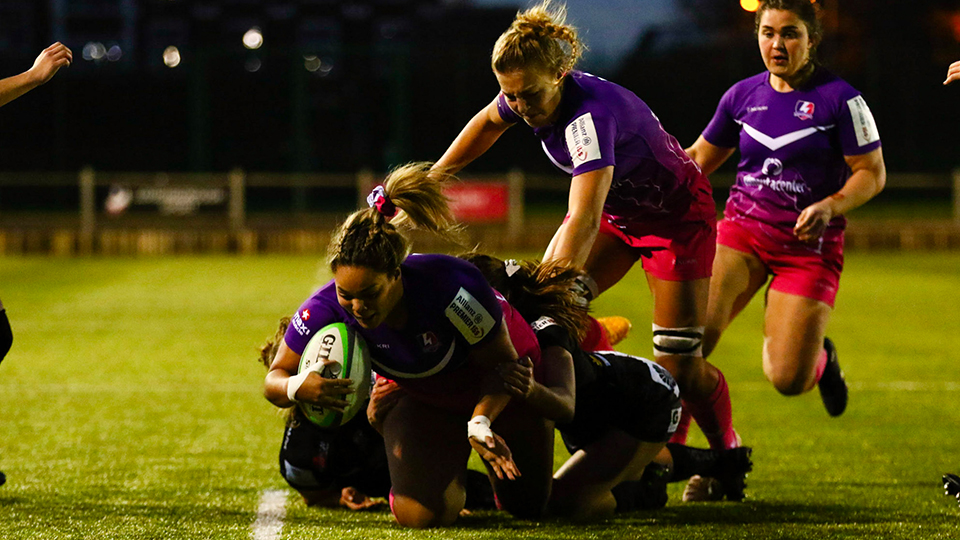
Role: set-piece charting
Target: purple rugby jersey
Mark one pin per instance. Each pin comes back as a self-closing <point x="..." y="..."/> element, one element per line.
<point x="791" y="145"/>
<point x="602" y="124"/>
<point x="450" y="308"/>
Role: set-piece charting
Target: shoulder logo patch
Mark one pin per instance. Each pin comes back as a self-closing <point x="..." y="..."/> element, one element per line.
<point x="542" y="323"/>
<point x="469" y="316"/>
<point x="863" y="124"/>
<point x="581" y="138"/>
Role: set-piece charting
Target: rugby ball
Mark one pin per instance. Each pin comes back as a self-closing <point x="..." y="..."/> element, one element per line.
<point x="337" y="352"/>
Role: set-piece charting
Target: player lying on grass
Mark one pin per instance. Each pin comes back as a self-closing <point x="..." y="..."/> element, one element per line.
<point x="434" y="325"/>
<point x="626" y="407"/>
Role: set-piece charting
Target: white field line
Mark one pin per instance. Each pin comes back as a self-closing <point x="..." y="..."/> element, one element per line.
<point x="270" y="514"/>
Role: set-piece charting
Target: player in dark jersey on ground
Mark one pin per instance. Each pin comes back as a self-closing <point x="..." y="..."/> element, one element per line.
<point x="44" y="68"/>
<point x="809" y="153"/>
<point x="626" y="407"/>
<point x="434" y="325"/>
<point x="634" y="194"/>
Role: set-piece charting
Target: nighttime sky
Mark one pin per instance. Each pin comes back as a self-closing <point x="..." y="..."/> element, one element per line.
<point x="619" y="21"/>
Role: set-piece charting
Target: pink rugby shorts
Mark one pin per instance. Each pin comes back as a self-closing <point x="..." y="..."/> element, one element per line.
<point x="811" y="271"/>
<point x="677" y="251"/>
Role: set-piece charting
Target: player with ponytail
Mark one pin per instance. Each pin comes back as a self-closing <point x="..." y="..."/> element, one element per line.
<point x="634" y="194"/>
<point x="435" y="327"/>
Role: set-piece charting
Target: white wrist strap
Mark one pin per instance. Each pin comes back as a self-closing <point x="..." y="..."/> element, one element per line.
<point x="479" y="428"/>
<point x="294" y="382"/>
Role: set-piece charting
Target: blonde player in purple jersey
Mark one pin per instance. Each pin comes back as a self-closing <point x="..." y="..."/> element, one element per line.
<point x="809" y="153"/>
<point x="634" y="194"/>
<point x="44" y="68"/>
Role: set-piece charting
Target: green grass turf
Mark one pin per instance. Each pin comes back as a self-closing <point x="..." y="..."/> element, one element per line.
<point x="130" y="407"/>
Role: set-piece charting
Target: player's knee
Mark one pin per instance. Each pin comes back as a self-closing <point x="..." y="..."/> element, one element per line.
<point x="683" y="341"/>
<point x="788" y="383"/>
<point x="411" y="513"/>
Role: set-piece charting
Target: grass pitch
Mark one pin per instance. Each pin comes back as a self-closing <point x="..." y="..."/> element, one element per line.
<point x="130" y="407"/>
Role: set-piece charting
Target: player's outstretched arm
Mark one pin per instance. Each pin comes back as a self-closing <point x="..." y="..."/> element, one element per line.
<point x="476" y="138"/>
<point x="44" y="68"/>
<point x="953" y="73"/>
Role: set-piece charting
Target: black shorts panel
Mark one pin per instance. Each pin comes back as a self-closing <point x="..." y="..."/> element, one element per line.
<point x="637" y="397"/>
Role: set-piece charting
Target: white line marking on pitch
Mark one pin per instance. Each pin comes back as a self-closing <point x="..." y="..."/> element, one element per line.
<point x="270" y="514"/>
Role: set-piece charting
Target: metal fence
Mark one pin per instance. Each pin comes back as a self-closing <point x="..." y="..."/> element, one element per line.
<point x="155" y="213"/>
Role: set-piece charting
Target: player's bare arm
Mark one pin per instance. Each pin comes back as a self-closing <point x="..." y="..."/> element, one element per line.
<point x="474" y="140"/>
<point x="555" y="398"/>
<point x="953" y="73"/>
<point x="867" y="179"/>
<point x="573" y="240"/>
<point x="315" y="389"/>
<point x="708" y="156"/>
<point x="44" y="68"/>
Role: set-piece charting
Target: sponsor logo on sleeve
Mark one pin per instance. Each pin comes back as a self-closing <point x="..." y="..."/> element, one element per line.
<point x="469" y="316"/>
<point x="581" y="137"/>
<point x="542" y="323"/>
<point x="305" y="314"/>
<point x="804" y="110"/>
<point x="863" y="124"/>
<point x="299" y="326"/>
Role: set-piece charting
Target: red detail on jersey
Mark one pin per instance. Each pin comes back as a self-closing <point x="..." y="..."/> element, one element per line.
<point x="306" y="315"/>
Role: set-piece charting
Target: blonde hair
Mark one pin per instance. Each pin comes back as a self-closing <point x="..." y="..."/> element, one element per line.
<point x="369" y="239"/>
<point x="539" y="38"/>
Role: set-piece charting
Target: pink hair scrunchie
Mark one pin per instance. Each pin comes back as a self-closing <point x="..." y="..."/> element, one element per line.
<point x="379" y="200"/>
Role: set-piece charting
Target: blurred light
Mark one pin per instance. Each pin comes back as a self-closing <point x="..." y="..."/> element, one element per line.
<point x="252" y="65"/>
<point x="326" y="66"/>
<point x="750" y="5"/>
<point x="171" y="56"/>
<point x="114" y="53"/>
<point x="955" y="25"/>
<point x="94" y="51"/>
<point x="312" y="63"/>
<point x="253" y="39"/>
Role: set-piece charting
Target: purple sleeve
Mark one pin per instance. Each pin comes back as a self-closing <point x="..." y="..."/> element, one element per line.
<point x="858" y="130"/>
<point x="313" y="315"/>
<point x="723" y="131"/>
<point x="506" y="113"/>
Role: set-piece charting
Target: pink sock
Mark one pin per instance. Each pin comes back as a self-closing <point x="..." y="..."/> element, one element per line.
<point x="390" y="498"/>
<point x="596" y="338"/>
<point x="683" y="428"/>
<point x="715" y="418"/>
<point x="821" y="364"/>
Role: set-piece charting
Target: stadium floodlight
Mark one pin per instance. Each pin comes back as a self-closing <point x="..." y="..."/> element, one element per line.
<point x="253" y="38"/>
<point x="750" y="5"/>
<point x="171" y="56"/>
